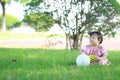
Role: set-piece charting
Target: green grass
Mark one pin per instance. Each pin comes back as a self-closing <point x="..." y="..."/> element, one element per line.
<point x="42" y="64"/>
<point x="15" y="36"/>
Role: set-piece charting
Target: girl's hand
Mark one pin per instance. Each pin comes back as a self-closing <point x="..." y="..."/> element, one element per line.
<point x="100" y="58"/>
<point x="97" y="58"/>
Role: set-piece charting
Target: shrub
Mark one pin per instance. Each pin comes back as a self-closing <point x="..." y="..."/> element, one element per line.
<point x="11" y="21"/>
<point x="39" y="21"/>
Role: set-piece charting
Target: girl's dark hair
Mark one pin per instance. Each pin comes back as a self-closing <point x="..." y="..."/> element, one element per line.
<point x="98" y="33"/>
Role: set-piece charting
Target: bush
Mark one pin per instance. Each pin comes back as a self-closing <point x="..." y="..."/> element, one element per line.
<point x="11" y="21"/>
<point x="39" y="21"/>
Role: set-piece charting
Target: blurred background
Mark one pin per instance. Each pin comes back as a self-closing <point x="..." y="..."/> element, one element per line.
<point x="58" y="24"/>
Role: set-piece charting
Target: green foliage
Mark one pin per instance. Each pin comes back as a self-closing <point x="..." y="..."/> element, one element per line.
<point x="3" y="4"/>
<point x="40" y="21"/>
<point x="24" y="1"/>
<point x="34" y="2"/>
<point x="97" y="8"/>
<point x="6" y="1"/>
<point x="11" y="21"/>
<point x="9" y="1"/>
<point x="74" y="17"/>
<point x="116" y="5"/>
<point x="39" y="64"/>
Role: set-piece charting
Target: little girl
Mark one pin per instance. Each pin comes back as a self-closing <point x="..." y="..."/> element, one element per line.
<point x="94" y="48"/>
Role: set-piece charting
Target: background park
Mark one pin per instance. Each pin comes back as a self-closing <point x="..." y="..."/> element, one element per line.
<point x="40" y="39"/>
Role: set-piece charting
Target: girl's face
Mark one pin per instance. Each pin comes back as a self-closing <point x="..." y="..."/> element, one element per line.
<point x="94" y="40"/>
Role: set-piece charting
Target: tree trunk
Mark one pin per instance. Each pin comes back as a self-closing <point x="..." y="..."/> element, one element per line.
<point x="80" y="40"/>
<point x="75" y="41"/>
<point x="66" y="41"/>
<point x="3" y="17"/>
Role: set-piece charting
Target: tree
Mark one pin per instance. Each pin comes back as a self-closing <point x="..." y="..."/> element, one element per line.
<point x="3" y="4"/>
<point x="39" y="21"/>
<point x="116" y="5"/>
<point x="11" y="21"/>
<point x="76" y="17"/>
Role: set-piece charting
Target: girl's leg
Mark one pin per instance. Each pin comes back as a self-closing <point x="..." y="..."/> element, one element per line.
<point x="104" y="62"/>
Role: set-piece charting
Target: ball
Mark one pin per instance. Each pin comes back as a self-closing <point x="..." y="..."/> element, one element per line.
<point x="92" y="58"/>
<point x="83" y="60"/>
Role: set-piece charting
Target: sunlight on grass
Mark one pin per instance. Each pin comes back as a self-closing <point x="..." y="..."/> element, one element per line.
<point x="43" y="64"/>
<point x="31" y="56"/>
<point x="37" y="35"/>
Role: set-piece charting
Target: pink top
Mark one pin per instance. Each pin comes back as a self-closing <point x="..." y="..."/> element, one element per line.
<point x="89" y="50"/>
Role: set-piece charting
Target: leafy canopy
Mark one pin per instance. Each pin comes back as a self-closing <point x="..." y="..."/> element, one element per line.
<point x="39" y="21"/>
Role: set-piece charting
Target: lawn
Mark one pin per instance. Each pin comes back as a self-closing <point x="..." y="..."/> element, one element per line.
<point x="32" y="36"/>
<point x="35" y="40"/>
<point x="46" y="64"/>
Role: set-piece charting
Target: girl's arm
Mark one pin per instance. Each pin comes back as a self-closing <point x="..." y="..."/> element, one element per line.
<point x="101" y="57"/>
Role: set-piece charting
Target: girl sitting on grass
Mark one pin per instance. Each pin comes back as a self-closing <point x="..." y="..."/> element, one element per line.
<point x="95" y="49"/>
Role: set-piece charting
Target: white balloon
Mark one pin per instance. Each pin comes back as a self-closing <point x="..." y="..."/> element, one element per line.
<point x="83" y="60"/>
